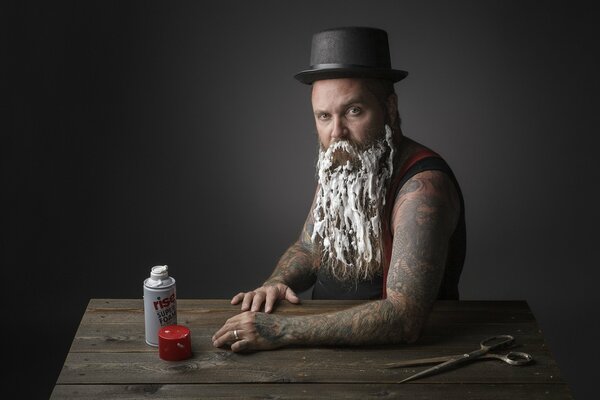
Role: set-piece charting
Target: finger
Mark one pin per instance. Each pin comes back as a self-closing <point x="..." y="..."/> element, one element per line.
<point x="218" y="339"/>
<point x="221" y="332"/>
<point x="291" y="296"/>
<point x="240" y="346"/>
<point x="247" y="301"/>
<point x="257" y="302"/>
<point x="225" y="339"/>
<point x="272" y="297"/>
<point x="229" y="325"/>
<point x="237" y="298"/>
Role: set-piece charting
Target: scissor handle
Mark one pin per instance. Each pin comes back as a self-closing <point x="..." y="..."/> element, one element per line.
<point x="517" y="358"/>
<point x="496" y="342"/>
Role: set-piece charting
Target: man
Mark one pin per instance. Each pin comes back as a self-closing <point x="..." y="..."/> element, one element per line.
<point x="386" y="223"/>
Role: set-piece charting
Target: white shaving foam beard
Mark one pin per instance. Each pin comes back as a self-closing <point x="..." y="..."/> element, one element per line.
<point x="349" y="206"/>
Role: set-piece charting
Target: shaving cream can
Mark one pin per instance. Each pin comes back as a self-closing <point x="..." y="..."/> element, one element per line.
<point x="160" y="302"/>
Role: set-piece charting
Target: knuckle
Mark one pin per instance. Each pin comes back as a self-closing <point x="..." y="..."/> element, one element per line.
<point x="248" y="317"/>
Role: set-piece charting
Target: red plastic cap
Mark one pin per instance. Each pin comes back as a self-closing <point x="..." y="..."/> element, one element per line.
<point x="174" y="343"/>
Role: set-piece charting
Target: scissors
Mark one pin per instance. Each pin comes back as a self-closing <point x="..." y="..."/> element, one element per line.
<point x="448" y="362"/>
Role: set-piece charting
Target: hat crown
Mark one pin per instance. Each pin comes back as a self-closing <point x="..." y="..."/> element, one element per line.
<point x="361" y="46"/>
<point x="350" y="52"/>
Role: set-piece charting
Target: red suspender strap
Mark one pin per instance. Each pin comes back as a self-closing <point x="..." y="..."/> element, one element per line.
<point x="391" y="196"/>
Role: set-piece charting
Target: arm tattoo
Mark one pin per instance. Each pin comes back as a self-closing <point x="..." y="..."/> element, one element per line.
<point x="425" y="215"/>
<point x="268" y="327"/>
<point x="297" y="267"/>
<point x="426" y="212"/>
<point x="370" y="323"/>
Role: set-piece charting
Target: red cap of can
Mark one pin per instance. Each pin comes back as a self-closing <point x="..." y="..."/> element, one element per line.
<point x="174" y="343"/>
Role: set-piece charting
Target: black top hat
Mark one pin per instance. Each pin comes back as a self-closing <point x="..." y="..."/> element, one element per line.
<point x="350" y="52"/>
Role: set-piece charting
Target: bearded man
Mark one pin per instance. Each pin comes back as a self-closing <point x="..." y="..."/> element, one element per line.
<point x="387" y="221"/>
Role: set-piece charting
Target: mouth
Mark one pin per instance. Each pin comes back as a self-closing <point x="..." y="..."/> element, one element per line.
<point x="341" y="157"/>
<point x="342" y="154"/>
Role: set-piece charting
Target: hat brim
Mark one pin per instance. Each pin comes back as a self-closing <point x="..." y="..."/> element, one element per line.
<point x="310" y="75"/>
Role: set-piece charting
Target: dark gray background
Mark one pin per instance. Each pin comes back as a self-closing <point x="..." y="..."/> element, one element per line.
<point x="136" y="134"/>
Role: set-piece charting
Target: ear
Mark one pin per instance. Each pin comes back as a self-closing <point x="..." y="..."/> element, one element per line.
<point x="392" y="108"/>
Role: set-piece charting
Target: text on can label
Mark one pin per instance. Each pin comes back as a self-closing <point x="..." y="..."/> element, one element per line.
<point x="164" y="303"/>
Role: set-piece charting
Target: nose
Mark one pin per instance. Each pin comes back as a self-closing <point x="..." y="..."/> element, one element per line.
<point x="340" y="130"/>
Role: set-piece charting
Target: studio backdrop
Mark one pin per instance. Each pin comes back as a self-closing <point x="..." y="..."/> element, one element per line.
<point x="143" y="133"/>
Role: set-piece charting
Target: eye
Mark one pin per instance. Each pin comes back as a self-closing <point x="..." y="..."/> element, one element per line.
<point x="354" y="110"/>
<point x="323" y="116"/>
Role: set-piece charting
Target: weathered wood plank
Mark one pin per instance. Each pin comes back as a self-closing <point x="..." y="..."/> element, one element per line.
<point x="216" y="303"/>
<point x="351" y="355"/>
<point x="412" y="391"/>
<point x="215" y="312"/>
<point x="289" y="365"/>
<point x="129" y="337"/>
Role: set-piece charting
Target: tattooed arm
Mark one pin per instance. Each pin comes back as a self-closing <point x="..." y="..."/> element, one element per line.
<point x="425" y="214"/>
<point x="295" y="272"/>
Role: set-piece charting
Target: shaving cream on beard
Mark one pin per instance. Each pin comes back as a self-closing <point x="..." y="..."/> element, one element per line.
<point x="348" y="208"/>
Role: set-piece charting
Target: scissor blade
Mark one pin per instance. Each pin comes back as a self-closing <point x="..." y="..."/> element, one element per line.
<point x="420" y="361"/>
<point x="438" y="368"/>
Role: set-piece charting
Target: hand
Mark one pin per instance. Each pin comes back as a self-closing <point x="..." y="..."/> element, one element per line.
<point x="251" y="331"/>
<point x="268" y="294"/>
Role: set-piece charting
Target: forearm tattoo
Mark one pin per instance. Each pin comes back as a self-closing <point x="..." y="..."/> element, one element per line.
<point x="425" y="214"/>
<point x="297" y="267"/>
<point x="375" y="322"/>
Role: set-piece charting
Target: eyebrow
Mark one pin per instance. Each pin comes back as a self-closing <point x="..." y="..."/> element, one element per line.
<point x="354" y="100"/>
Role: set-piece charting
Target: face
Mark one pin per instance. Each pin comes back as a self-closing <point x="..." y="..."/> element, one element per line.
<point x="345" y="109"/>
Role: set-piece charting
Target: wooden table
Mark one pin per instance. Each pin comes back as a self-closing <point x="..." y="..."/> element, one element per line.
<point x="110" y="360"/>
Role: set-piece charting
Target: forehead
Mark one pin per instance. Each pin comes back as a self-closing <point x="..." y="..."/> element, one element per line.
<point x="331" y="92"/>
